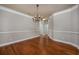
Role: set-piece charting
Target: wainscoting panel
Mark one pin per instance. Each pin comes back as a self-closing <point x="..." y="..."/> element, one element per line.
<point x="64" y="25"/>
<point x="15" y="26"/>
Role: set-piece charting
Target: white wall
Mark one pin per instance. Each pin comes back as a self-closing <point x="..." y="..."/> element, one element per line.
<point x="15" y="26"/>
<point x="64" y="25"/>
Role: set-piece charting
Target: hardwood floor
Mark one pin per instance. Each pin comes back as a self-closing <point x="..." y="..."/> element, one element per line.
<point x="37" y="46"/>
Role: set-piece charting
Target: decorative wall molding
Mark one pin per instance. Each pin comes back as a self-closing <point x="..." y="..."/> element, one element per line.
<point x="28" y="31"/>
<point x="22" y="14"/>
<point x="64" y="41"/>
<point x="70" y="32"/>
<point x="66" y="10"/>
<point x="17" y="41"/>
<point x="12" y="32"/>
<point x="15" y="12"/>
<point x="60" y="31"/>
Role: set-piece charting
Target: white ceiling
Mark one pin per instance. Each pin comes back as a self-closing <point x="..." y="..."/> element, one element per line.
<point x="45" y="10"/>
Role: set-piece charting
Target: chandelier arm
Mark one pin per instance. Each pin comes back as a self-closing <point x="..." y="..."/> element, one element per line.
<point x="37" y="16"/>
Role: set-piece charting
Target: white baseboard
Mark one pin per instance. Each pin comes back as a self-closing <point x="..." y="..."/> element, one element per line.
<point x="5" y="44"/>
<point x="64" y="42"/>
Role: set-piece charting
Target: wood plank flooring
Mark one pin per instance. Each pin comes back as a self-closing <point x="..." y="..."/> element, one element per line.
<point x="37" y="46"/>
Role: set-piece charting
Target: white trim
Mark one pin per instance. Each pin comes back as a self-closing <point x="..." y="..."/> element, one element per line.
<point x="13" y="32"/>
<point x="66" y="10"/>
<point x="17" y="41"/>
<point x="64" y="42"/>
<point x="1" y="45"/>
<point x="15" y="12"/>
<point x="71" y="32"/>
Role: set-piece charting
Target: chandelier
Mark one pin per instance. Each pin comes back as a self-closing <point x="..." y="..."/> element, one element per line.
<point x="41" y="23"/>
<point x="37" y="16"/>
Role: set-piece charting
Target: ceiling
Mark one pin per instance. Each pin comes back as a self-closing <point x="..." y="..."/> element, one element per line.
<point x="45" y="10"/>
